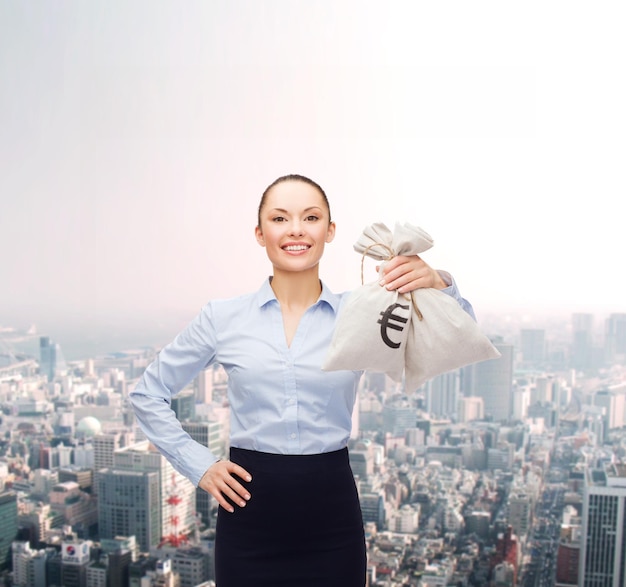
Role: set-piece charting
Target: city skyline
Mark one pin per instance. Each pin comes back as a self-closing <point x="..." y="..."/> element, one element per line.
<point x="450" y="469"/>
<point x="136" y="142"/>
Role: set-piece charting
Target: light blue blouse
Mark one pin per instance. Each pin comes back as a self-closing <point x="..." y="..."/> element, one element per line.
<point x="280" y="399"/>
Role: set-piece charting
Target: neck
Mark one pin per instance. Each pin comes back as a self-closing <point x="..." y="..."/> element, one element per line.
<point x="300" y="289"/>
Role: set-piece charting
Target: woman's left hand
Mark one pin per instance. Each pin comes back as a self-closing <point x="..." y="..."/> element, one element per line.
<point x="406" y="274"/>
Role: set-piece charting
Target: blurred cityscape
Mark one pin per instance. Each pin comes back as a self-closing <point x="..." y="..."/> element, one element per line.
<point x="504" y="473"/>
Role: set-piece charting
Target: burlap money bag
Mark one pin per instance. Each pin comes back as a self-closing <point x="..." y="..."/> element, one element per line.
<point x="371" y="332"/>
<point x="416" y="336"/>
<point x="373" y="325"/>
<point x="446" y="338"/>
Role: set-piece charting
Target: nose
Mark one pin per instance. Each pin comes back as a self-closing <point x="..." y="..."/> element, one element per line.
<point x="296" y="228"/>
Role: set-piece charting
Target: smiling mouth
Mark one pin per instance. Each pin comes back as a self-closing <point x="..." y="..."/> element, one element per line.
<point x="295" y="248"/>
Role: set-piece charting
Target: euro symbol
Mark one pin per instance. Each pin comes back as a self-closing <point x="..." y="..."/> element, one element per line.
<point x="388" y="320"/>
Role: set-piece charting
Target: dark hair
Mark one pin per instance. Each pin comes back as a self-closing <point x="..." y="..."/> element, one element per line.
<point x="291" y="177"/>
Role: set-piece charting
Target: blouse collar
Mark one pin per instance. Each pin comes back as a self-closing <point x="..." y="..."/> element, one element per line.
<point x="266" y="294"/>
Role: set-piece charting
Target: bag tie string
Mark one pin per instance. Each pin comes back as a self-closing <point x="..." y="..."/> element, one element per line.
<point x="391" y="255"/>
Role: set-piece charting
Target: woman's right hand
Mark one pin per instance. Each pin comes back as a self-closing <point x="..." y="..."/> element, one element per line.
<point x="218" y="480"/>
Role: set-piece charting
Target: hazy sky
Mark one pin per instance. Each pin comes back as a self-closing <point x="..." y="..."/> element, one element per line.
<point x="136" y="138"/>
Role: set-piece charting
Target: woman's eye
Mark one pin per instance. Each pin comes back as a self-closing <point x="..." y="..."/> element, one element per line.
<point x="312" y="218"/>
<point x="278" y="219"/>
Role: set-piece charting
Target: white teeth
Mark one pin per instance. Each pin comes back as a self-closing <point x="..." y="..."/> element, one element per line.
<point x="296" y="248"/>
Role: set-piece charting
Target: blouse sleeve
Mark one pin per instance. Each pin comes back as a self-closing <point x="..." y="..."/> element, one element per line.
<point x="175" y="366"/>
<point x="453" y="291"/>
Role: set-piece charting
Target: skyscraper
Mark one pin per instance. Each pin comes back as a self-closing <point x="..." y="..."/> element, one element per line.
<point x="208" y="434"/>
<point x="568" y="555"/>
<point x="8" y="526"/>
<point x="615" y="339"/>
<point x="582" y="341"/>
<point x="75" y="556"/>
<point x="493" y="381"/>
<point x="184" y="405"/>
<point x="177" y="494"/>
<point x="204" y="386"/>
<point x="603" y="551"/>
<point x="130" y="505"/>
<point x="442" y="394"/>
<point x="51" y="361"/>
<point x="398" y="417"/>
<point x="533" y="346"/>
<point x="104" y="445"/>
<point x="47" y="357"/>
<point x="21" y="553"/>
<point x="29" y="566"/>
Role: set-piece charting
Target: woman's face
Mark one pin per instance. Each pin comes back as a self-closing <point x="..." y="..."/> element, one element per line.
<point x="295" y="226"/>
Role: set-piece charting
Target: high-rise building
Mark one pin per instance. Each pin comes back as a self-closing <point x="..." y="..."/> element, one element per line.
<point x="603" y="545"/>
<point x="398" y="417"/>
<point x="582" y="341"/>
<point x="82" y="476"/>
<point x="478" y="522"/>
<point x="544" y="390"/>
<point x="209" y="434"/>
<point x="118" y="567"/>
<point x="613" y="400"/>
<point x="501" y="457"/>
<point x="130" y="505"/>
<point x="51" y="361"/>
<point x="373" y="508"/>
<point x="470" y="408"/>
<point x="8" y="525"/>
<point x="47" y="357"/>
<point x="118" y="554"/>
<point x="361" y="462"/>
<point x="184" y="405"/>
<point x="520" y="400"/>
<point x="75" y="555"/>
<point x="615" y="339"/>
<point x="83" y="455"/>
<point x="78" y="508"/>
<point x="442" y="394"/>
<point x="532" y="346"/>
<point x="20" y="555"/>
<point x="520" y="507"/>
<point x="54" y="568"/>
<point x="193" y="565"/>
<point x="120" y="543"/>
<point x="177" y="494"/>
<point x="204" y="386"/>
<point x="29" y="566"/>
<point x="36" y="518"/>
<point x="493" y="381"/>
<point x="568" y="556"/>
<point x="104" y="445"/>
<point x="98" y="574"/>
<point x="139" y="568"/>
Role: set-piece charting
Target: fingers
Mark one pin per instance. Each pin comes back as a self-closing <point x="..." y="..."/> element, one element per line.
<point x="220" y="480"/>
<point x="406" y="274"/>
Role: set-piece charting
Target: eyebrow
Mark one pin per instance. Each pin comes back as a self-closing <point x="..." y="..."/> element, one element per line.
<point x="286" y="212"/>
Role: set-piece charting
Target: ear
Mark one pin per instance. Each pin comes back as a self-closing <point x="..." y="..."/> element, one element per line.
<point x="330" y="235"/>
<point x="259" y="236"/>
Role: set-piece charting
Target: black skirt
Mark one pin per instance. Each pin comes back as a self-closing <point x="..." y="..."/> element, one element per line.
<point x="301" y="528"/>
